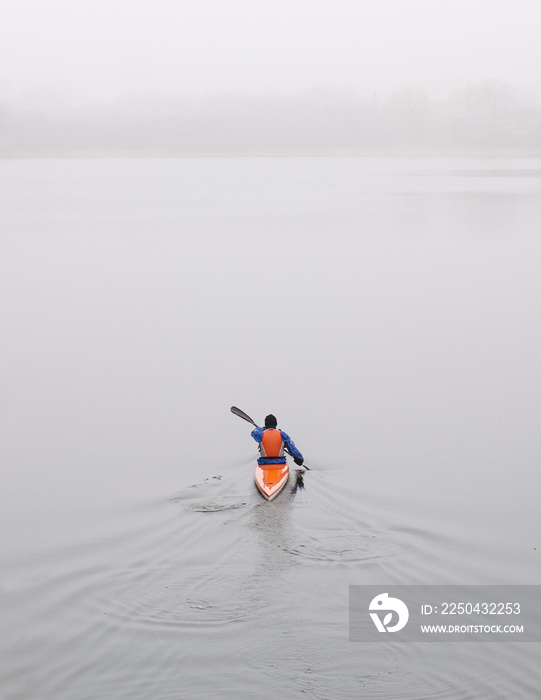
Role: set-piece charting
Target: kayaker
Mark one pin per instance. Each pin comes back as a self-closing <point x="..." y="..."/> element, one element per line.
<point x="274" y="443"/>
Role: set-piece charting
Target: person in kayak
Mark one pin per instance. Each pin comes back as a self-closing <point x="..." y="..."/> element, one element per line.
<point x="274" y="443"/>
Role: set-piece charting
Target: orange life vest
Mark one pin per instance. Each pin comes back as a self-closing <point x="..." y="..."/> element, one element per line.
<point x="272" y="444"/>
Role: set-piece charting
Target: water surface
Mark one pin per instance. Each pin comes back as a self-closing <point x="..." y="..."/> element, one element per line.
<point x="385" y="310"/>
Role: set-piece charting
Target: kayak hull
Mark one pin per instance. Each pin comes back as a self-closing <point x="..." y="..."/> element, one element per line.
<point x="270" y="479"/>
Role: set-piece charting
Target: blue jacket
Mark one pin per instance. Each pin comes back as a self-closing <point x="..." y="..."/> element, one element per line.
<point x="289" y="446"/>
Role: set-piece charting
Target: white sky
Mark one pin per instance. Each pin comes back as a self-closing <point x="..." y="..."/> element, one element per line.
<point x="107" y="49"/>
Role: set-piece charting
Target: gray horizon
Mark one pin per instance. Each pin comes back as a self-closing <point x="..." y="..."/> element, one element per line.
<point x="232" y="76"/>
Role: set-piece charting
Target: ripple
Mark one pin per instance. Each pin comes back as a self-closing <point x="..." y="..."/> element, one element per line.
<point x="150" y="600"/>
<point x="340" y="547"/>
<point x="212" y="495"/>
<point x="215" y="507"/>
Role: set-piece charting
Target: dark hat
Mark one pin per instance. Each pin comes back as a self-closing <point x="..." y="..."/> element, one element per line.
<point x="270" y="421"/>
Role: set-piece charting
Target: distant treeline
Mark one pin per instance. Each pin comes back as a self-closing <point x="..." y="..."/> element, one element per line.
<point x="487" y="117"/>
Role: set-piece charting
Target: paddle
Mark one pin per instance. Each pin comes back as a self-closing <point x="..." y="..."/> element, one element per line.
<point x="245" y="416"/>
<point x="241" y="414"/>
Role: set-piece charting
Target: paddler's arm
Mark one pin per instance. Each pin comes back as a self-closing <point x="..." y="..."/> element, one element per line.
<point x="290" y="447"/>
<point x="257" y="434"/>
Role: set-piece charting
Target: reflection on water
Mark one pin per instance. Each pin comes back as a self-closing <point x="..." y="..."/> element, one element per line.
<point x="395" y="337"/>
<point x="298" y="482"/>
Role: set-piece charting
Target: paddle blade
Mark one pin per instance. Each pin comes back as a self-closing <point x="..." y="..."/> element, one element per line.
<point x="241" y="414"/>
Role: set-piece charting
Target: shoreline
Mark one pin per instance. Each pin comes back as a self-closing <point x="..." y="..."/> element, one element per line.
<point x="519" y="153"/>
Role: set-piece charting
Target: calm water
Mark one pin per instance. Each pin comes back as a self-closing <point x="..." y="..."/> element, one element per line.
<point x="387" y="311"/>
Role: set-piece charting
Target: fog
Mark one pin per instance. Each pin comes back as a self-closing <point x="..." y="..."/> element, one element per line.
<point x="105" y="48"/>
<point x="251" y="76"/>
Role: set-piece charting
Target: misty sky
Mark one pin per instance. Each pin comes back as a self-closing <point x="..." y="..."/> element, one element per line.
<point x="102" y="50"/>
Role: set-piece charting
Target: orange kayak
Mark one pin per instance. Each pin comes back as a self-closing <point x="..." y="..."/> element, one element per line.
<point x="270" y="479"/>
